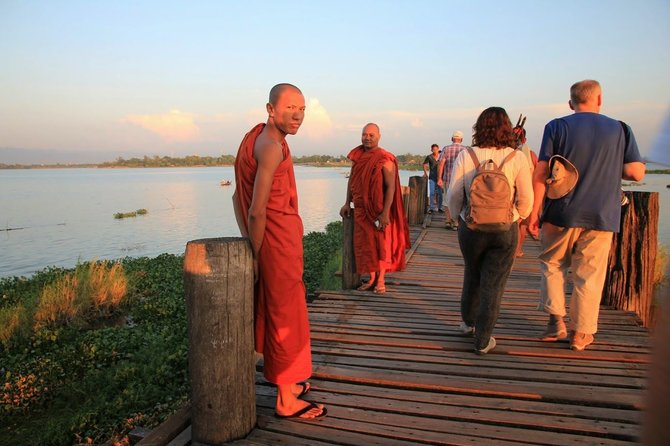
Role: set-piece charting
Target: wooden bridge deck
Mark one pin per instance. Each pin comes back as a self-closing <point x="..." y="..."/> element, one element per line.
<point x="393" y="369"/>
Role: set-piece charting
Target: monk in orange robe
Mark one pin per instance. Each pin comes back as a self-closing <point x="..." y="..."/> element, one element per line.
<point x="381" y="234"/>
<point x="266" y="208"/>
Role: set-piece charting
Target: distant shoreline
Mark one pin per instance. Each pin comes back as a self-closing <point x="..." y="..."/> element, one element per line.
<point x="405" y="162"/>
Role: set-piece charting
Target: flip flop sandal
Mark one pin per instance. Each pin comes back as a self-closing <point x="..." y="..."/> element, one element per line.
<point x="306" y="387"/>
<point x="366" y="286"/>
<point x="303" y="411"/>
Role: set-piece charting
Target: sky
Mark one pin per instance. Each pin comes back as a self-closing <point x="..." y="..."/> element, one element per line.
<point x="89" y="81"/>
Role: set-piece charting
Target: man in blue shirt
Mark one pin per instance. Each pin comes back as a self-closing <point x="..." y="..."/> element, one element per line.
<point x="578" y="223"/>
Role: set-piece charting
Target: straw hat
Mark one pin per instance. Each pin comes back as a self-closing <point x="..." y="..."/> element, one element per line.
<point x="563" y="177"/>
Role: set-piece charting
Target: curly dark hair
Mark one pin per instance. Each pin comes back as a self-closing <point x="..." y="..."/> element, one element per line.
<point x="493" y="129"/>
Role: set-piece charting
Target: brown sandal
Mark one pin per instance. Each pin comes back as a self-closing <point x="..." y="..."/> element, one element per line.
<point x="379" y="289"/>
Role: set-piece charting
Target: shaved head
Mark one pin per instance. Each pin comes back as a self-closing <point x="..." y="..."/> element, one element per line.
<point x="278" y="89"/>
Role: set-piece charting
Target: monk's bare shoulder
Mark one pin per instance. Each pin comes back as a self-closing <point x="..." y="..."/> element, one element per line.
<point x="267" y="150"/>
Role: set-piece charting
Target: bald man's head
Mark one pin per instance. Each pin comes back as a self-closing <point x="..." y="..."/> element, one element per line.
<point x="277" y="91"/>
<point x="370" y="136"/>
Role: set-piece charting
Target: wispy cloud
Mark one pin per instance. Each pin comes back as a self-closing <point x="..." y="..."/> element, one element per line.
<point x="174" y="126"/>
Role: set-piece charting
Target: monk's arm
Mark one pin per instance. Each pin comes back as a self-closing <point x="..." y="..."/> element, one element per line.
<point x="238" y="216"/>
<point x="268" y="156"/>
<point x="345" y="211"/>
<point x="540" y="174"/>
<point x="388" y="171"/>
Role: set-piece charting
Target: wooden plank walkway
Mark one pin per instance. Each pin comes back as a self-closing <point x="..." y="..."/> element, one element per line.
<point x="393" y="369"/>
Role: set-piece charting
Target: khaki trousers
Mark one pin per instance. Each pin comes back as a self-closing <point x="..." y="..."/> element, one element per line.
<point x="585" y="252"/>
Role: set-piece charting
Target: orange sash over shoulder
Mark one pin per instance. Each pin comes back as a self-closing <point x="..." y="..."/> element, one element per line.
<point x="374" y="248"/>
<point x="281" y="321"/>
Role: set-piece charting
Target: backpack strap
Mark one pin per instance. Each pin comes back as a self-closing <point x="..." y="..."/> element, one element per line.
<point x="626" y="132"/>
<point x="473" y="155"/>
<point x="507" y="158"/>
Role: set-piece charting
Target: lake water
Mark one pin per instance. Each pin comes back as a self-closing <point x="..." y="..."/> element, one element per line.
<point x="60" y="216"/>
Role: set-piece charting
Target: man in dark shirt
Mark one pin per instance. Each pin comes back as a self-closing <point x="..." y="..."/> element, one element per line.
<point x="430" y="167"/>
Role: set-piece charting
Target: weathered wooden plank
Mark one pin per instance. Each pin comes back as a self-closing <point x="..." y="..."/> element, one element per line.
<point x="575" y="394"/>
<point x="169" y="429"/>
<point x="468" y="401"/>
<point x="389" y="428"/>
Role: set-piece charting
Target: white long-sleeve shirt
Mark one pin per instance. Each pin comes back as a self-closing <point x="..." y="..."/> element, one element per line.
<point x="516" y="170"/>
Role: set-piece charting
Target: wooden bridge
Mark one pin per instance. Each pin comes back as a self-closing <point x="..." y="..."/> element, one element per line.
<point x="394" y="370"/>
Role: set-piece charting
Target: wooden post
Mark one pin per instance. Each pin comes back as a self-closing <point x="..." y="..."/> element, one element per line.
<point x="630" y="275"/>
<point x="219" y="287"/>
<point x="350" y="279"/>
<point x="417" y="199"/>
<point x="405" y="199"/>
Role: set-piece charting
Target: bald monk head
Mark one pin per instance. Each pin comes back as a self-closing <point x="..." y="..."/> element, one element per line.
<point x="370" y="136"/>
<point x="286" y="108"/>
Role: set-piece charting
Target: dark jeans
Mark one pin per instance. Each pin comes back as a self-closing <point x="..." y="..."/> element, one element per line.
<point x="488" y="261"/>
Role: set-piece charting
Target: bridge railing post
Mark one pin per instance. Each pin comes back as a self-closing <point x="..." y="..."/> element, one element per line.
<point x="417" y="200"/>
<point x="629" y="284"/>
<point x="219" y="286"/>
<point x="350" y="278"/>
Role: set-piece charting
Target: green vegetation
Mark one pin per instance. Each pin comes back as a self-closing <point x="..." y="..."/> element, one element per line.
<point x="168" y="161"/>
<point x="120" y="215"/>
<point x="405" y="162"/>
<point x="89" y="353"/>
<point x="321" y="250"/>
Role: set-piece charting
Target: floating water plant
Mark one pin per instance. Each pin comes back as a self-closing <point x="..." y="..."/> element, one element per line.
<point x="120" y="215"/>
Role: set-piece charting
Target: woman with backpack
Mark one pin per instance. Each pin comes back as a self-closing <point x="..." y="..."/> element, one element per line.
<point x="491" y="191"/>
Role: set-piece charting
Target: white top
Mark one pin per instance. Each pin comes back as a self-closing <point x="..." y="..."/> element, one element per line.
<point x="516" y="170"/>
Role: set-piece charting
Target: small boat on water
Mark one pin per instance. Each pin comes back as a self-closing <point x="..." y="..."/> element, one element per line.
<point x="225" y="183"/>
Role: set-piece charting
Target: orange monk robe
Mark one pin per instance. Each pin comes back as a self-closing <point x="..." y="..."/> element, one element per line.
<point x="281" y="321"/>
<point x="375" y="249"/>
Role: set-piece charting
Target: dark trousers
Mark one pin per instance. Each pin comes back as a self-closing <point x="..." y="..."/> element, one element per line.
<point x="488" y="261"/>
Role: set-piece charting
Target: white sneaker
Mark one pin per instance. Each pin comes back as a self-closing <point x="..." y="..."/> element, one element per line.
<point x="488" y="348"/>
<point x="466" y="329"/>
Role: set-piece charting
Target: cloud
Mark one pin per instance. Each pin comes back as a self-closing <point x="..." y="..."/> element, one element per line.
<point x="317" y="124"/>
<point x="174" y="126"/>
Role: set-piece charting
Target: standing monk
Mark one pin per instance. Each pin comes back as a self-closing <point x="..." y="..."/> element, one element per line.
<point x="380" y="229"/>
<point x="266" y="208"/>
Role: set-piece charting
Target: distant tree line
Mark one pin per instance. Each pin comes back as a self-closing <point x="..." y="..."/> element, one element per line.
<point x="168" y="161"/>
<point x="407" y="161"/>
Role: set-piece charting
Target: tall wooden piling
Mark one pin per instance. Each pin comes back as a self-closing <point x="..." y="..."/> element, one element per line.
<point x="350" y="278"/>
<point x="417" y="199"/>
<point x="218" y="283"/>
<point x="630" y="273"/>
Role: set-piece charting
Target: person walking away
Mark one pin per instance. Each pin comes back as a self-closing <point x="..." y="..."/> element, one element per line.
<point x="488" y="256"/>
<point x="445" y="165"/>
<point x="430" y="168"/>
<point x="381" y="234"/>
<point x="266" y="209"/>
<point x="583" y="157"/>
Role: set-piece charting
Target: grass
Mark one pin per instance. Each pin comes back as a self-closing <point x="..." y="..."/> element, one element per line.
<point x="92" y="290"/>
<point x="90" y="353"/>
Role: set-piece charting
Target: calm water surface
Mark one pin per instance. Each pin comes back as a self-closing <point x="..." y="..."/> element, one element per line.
<point x="60" y="216"/>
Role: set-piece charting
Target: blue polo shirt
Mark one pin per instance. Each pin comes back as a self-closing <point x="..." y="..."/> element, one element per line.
<point x="598" y="147"/>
